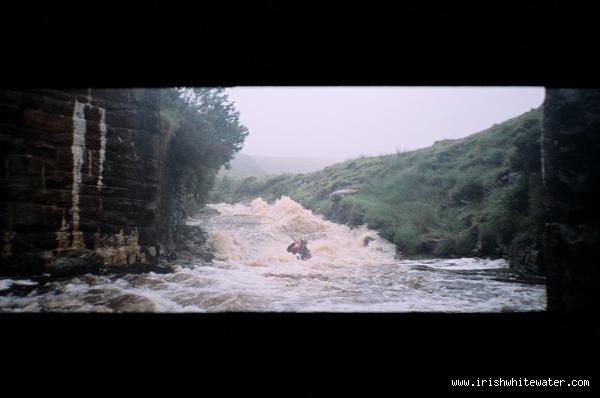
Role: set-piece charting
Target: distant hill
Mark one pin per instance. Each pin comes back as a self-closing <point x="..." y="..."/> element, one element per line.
<point x="244" y="166"/>
<point x="279" y="165"/>
<point x="479" y="195"/>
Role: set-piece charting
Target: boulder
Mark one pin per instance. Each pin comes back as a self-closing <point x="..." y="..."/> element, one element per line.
<point x="367" y="240"/>
<point x="338" y="195"/>
<point x="75" y="262"/>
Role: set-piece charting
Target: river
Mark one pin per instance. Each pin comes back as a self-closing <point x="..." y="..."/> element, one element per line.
<point x="253" y="272"/>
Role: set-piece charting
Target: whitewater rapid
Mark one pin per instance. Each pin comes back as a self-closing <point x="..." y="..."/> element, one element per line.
<point x="352" y="270"/>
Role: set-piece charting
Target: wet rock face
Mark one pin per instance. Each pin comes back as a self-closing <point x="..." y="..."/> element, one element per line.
<point x="192" y="244"/>
<point x="571" y="175"/>
<point x="75" y="262"/>
<point x="80" y="170"/>
<point x="527" y="260"/>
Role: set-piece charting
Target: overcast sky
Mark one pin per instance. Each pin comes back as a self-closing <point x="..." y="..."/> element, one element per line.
<point x="346" y="122"/>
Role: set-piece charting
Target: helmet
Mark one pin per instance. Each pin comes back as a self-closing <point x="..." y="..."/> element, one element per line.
<point x="303" y="240"/>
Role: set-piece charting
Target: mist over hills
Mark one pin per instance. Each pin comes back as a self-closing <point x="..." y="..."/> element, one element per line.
<point x="244" y="165"/>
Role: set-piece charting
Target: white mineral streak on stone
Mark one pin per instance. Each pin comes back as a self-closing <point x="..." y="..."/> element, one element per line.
<point x="90" y="161"/>
<point x="102" y="146"/>
<point x="62" y="235"/>
<point x="133" y="247"/>
<point x="127" y="250"/>
<point x="77" y="149"/>
<point x="119" y="249"/>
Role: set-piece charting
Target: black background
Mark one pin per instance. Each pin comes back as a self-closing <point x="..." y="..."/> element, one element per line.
<point x="165" y="43"/>
<point x="155" y="44"/>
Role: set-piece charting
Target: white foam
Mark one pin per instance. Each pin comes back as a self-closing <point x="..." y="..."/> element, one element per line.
<point x="5" y="284"/>
<point x="253" y="272"/>
<point x="25" y="283"/>
<point x="467" y="263"/>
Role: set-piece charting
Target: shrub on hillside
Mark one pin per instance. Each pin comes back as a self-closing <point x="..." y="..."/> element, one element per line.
<point x="445" y="247"/>
<point x="405" y="237"/>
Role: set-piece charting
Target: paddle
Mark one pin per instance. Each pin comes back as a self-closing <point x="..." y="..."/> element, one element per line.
<point x="291" y="236"/>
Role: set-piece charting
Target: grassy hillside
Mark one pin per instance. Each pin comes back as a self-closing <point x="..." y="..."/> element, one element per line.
<point x="479" y="195"/>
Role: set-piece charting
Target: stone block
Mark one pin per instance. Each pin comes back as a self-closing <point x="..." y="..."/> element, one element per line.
<point x="137" y="171"/>
<point x="11" y="144"/>
<point x="10" y="114"/>
<point x="50" y="105"/>
<point x="10" y="96"/>
<point x="146" y="145"/>
<point x="46" y="122"/>
<point x="147" y="236"/>
<point x="150" y="122"/>
<point x="44" y="151"/>
<point x="33" y="217"/>
<point x="120" y="96"/>
<point x="129" y="220"/>
<point x="129" y="119"/>
<point x="59" y="180"/>
<point x="63" y="95"/>
<point x="147" y="190"/>
<point x="36" y="136"/>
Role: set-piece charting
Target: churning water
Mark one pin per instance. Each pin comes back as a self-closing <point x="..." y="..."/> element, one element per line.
<point x="253" y="272"/>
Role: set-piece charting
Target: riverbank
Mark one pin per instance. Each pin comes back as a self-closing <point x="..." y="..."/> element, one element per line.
<point x="251" y="271"/>
<point x="475" y="196"/>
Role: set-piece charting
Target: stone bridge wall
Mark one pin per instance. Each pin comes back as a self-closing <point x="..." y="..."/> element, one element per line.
<point x="81" y="169"/>
<point x="571" y="175"/>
